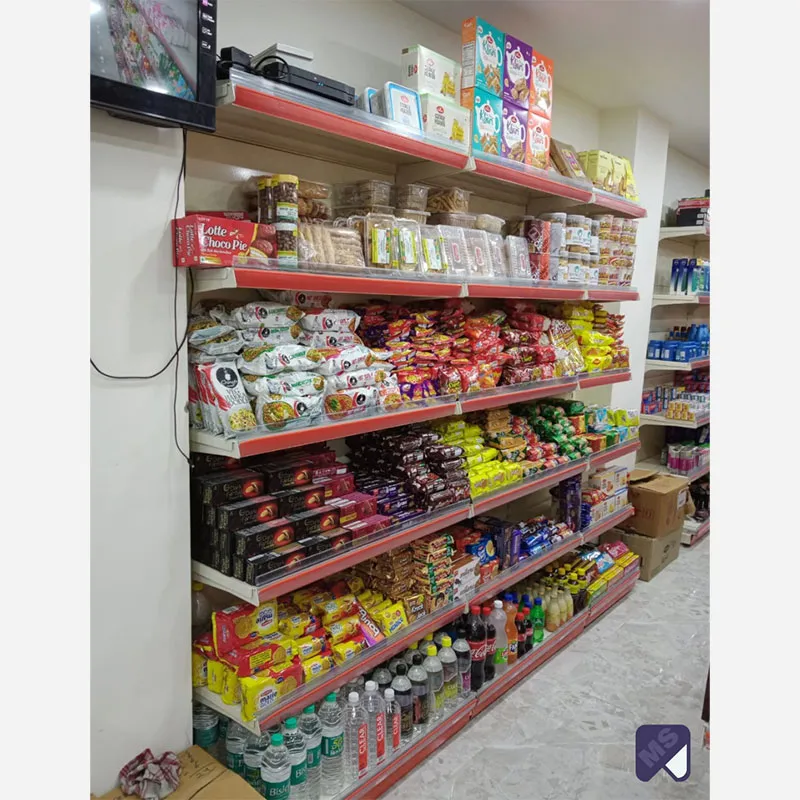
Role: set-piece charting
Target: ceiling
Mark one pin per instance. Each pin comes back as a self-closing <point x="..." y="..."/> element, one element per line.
<point x="613" y="53"/>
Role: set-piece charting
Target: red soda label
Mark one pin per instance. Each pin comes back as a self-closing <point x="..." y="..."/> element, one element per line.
<point x="395" y="731"/>
<point x="380" y="735"/>
<point x="363" y="751"/>
<point x="478" y="650"/>
<point x="490" y="648"/>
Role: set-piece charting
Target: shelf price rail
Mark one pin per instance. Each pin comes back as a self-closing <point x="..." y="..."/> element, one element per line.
<point x="314" y="691"/>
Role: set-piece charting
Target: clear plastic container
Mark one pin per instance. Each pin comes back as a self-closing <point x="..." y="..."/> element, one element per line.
<point x="455" y="251"/>
<point x="497" y="252"/>
<point x="594" y="270"/>
<point x="411" y="195"/>
<point x="457" y="219"/>
<point x="378" y="240"/>
<point x="361" y="210"/>
<point x="556" y="236"/>
<point x="431" y="253"/>
<point x="313" y="190"/>
<point x="605" y="221"/>
<point x="478" y="247"/>
<point x="443" y="200"/>
<point x="489" y="223"/>
<point x="347" y="245"/>
<point x="518" y="259"/>
<point x="555" y="216"/>
<point x="420" y="217"/>
<point x="406" y="245"/>
<point x="370" y="192"/>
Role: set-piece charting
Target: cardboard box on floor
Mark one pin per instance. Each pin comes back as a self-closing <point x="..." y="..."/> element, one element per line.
<point x="655" y="553"/>
<point x="661" y="502"/>
<point x="202" y="778"/>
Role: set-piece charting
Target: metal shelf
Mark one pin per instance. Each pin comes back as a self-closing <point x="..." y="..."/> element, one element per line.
<point x="614" y="452"/>
<point x="671" y="366"/>
<point x="654" y="463"/>
<point x="312" y="692"/>
<point x="692" y="235"/>
<point x="691" y="539"/>
<point x="703" y="298"/>
<point x="658" y="419"/>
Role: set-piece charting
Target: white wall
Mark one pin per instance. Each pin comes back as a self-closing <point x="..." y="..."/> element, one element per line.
<point x="360" y="43"/>
<point x="140" y="563"/>
<point x="685" y="178"/>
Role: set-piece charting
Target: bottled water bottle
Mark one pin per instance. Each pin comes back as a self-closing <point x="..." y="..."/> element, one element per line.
<point x="402" y="692"/>
<point x="452" y="680"/>
<point x="393" y="719"/>
<point x="312" y="730"/>
<point x="253" y="756"/>
<point x="296" y="745"/>
<point x="276" y="770"/>
<point x="205" y="727"/>
<point x="220" y="750"/>
<point x="330" y="717"/>
<point x="433" y="666"/>
<point x="235" y="743"/>
<point x="383" y="678"/>
<point x="419" y="693"/>
<point x="376" y="716"/>
<point x="356" y="739"/>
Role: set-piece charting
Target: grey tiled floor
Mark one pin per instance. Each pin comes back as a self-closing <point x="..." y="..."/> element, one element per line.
<point x="567" y="731"/>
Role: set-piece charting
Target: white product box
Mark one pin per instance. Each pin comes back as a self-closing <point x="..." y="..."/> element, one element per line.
<point x="445" y="119"/>
<point x="398" y="103"/>
<point x="427" y="71"/>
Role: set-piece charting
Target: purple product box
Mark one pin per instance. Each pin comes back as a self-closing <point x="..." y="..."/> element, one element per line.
<point x="513" y="130"/>
<point x="517" y="72"/>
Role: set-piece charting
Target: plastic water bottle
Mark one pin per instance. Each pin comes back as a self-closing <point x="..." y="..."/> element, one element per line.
<point x="235" y="743"/>
<point x="376" y="716"/>
<point x="220" y="750"/>
<point x="393" y="719"/>
<point x="205" y="727"/>
<point x="398" y="659"/>
<point x="332" y="722"/>
<point x="253" y="757"/>
<point x="296" y="745"/>
<point x="402" y="692"/>
<point x="464" y="657"/>
<point x="383" y="678"/>
<point x="201" y="609"/>
<point x="450" y="674"/>
<point x="433" y="666"/>
<point x="276" y="770"/>
<point x="419" y="693"/>
<point x="499" y="620"/>
<point x="356" y="739"/>
<point x="312" y="729"/>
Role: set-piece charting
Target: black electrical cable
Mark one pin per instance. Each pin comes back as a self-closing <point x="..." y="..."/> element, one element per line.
<point x="178" y="344"/>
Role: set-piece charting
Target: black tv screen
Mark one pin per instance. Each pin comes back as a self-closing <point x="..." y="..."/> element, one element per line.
<point x="154" y="60"/>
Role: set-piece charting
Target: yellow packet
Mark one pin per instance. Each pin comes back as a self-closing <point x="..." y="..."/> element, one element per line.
<point x="335" y="609"/>
<point x="231" y="693"/>
<point x="342" y="629"/>
<point x="378" y="607"/>
<point x="199" y="669"/>
<point x="309" y="646"/>
<point x="243" y="623"/>
<point x="316" y="666"/>
<point x="344" y="651"/>
<point x="392" y="619"/>
<point x="298" y="625"/>
<point x="356" y="584"/>
<point x="216" y="675"/>
<point x="258" y="692"/>
<point x="377" y="599"/>
<point x="365" y="598"/>
<point x="289" y="645"/>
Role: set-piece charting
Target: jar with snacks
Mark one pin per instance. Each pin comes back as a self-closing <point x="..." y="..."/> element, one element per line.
<point x="286" y="235"/>
<point x="562" y="266"/>
<point x="313" y="190"/>
<point x="616" y="229"/>
<point x="574" y="231"/>
<point x="284" y="193"/>
<point x="362" y="210"/>
<point x="575" y="267"/>
<point x="454" y="218"/>
<point x="489" y="223"/>
<point x="629" y="230"/>
<point x="406" y="245"/>
<point x="420" y="217"/>
<point x="348" y="250"/>
<point x="444" y="200"/>
<point x="497" y="253"/>
<point x="605" y="221"/>
<point x="594" y="269"/>
<point x="586" y="234"/>
<point x="378" y="240"/>
<point x="454" y="250"/>
<point x="432" y="259"/>
<point x="556" y="237"/>
<point x="478" y="247"/>
<point x="518" y="258"/>
<point x="369" y="192"/>
<point x="594" y="240"/>
<point x="411" y="195"/>
<point x="266" y="203"/>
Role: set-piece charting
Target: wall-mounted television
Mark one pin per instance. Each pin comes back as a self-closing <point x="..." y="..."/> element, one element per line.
<point x="155" y="60"/>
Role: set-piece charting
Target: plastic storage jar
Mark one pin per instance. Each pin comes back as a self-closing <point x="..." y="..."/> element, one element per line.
<point x="489" y="223"/>
<point x="411" y="195"/>
<point x="455" y="218"/>
<point x="284" y="193"/>
<point x="444" y="200"/>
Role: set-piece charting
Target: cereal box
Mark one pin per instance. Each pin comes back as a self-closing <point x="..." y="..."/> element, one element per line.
<point x="487" y="119"/>
<point x="427" y="71"/>
<point x="514" y="132"/>
<point x="517" y="72"/>
<point x="537" y="146"/>
<point x="541" y="85"/>
<point x="482" y="47"/>
<point x="446" y="119"/>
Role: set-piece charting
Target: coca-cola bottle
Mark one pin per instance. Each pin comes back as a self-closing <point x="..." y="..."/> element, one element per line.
<point x="488" y="666"/>
<point x="476" y="638"/>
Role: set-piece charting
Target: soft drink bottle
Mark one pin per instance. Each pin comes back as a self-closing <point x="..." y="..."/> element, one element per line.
<point x="511" y="633"/>
<point x="311" y="728"/>
<point x="452" y="682"/>
<point x="409" y="654"/>
<point x="520" y="626"/>
<point x="296" y="745"/>
<point x="464" y="657"/>
<point x="499" y="620"/>
<point x="419" y="692"/>
<point x="276" y="770"/>
<point x="376" y="717"/>
<point x="528" y="629"/>
<point x="537" y="615"/>
<point x="332" y="721"/>
<point x="253" y="756"/>
<point x="552" y="614"/>
<point x="393" y="720"/>
<point x="491" y="641"/>
<point x="433" y="666"/>
<point x="356" y="739"/>
<point x="423" y="645"/>
<point x="383" y="678"/>
<point x="394" y="662"/>
<point x="568" y="602"/>
<point x="476" y="639"/>
<point x="402" y="692"/>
